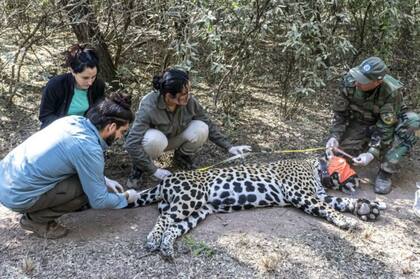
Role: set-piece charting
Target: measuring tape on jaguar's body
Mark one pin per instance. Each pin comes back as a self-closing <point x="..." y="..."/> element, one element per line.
<point x="243" y="155"/>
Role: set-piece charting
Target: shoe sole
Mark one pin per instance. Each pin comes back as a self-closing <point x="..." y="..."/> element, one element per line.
<point x="382" y="192"/>
<point x="30" y="228"/>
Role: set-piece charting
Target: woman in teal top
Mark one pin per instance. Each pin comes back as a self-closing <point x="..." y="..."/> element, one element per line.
<point x="79" y="103"/>
<point x="75" y="92"/>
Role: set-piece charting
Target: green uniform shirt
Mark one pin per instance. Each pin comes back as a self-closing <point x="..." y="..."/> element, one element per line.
<point x="79" y="103"/>
<point x="379" y="108"/>
<point x="153" y="113"/>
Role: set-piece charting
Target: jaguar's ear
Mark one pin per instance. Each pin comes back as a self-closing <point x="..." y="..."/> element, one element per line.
<point x="357" y="181"/>
<point x="328" y="154"/>
<point x="322" y="160"/>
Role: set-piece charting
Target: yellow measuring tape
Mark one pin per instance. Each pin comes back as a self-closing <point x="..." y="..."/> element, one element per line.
<point x="298" y="150"/>
<point x="242" y="156"/>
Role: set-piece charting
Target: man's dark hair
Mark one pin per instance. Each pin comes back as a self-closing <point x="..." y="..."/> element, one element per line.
<point x="171" y="81"/>
<point x="114" y="109"/>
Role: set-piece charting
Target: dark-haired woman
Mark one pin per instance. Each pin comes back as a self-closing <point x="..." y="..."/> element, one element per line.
<point x="170" y="118"/>
<point x="75" y="92"/>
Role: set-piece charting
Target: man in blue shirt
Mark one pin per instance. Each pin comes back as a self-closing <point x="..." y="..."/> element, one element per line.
<point x="60" y="169"/>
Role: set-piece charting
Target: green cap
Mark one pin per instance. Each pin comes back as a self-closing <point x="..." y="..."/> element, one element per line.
<point x="371" y="69"/>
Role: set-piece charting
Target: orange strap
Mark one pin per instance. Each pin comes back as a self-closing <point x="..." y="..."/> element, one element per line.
<point x="340" y="166"/>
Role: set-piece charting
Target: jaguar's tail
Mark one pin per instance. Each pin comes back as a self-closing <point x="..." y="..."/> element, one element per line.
<point x="148" y="196"/>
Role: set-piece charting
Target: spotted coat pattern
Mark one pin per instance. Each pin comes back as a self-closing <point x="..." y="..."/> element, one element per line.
<point x="188" y="197"/>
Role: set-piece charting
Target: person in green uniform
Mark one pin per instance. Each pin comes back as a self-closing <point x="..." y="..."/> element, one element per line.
<point x="371" y="120"/>
<point x="75" y="92"/>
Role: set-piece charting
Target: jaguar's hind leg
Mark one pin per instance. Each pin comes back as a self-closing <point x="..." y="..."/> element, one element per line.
<point x="315" y="206"/>
<point x="154" y="237"/>
<point x="365" y="209"/>
<point x="173" y="213"/>
<point x="163" y="207"/>
<point x="180" y="228"/>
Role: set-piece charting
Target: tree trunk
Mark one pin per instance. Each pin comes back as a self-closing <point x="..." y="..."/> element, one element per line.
<point x="86" y="28"/>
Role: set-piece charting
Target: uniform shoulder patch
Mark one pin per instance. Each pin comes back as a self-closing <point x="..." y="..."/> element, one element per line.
<point x="389" y="118"/>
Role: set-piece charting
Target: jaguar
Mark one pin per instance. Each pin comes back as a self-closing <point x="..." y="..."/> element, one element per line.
<point x="188" y="197"/>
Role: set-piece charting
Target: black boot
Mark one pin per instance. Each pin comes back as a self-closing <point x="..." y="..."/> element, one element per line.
<point x="134" y="178"/>
<point x="184" y="161"/>
<point x="383" y="183"/>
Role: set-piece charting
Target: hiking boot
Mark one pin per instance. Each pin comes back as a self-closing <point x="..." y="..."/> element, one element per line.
<point x="383" y="183"/>
<point x="184" y="161"/>
<point x="134" y="178"/>
<point x="50" y="230"/>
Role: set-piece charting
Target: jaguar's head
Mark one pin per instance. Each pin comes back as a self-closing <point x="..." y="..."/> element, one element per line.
<point x="336" y="173"/>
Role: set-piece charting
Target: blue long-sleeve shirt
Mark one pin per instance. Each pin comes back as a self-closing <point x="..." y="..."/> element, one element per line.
<point x="69" y="146"/>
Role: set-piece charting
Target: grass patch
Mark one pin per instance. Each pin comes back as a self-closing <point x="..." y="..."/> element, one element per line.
<point x="28" y="265"/>
<point x="198" y="247"/>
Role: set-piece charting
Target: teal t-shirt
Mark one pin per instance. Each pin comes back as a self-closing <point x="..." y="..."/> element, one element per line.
<point x="79" y="103"/>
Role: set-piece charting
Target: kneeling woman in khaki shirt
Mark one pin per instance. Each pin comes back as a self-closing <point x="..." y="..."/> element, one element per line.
<point x="170" y="118"/>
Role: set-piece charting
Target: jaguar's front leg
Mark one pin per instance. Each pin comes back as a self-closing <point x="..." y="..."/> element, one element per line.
<point x="315" y="206"/>
<point x="365" y="209"/>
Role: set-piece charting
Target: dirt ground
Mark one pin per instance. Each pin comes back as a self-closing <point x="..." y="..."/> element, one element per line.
<point x="262" y="243"/>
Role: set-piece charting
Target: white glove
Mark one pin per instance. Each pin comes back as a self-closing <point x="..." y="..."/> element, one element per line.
<point x="331" y="143"/>
<point x="113" y="185"/>
<point x="239" y="149"/>
<point x="192" y="137"/>
<point x="131" y="195"/>
<point x="162" y="173"/>
<point x="363" y="159"/>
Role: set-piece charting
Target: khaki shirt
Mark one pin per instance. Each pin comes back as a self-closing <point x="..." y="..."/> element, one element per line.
<point x="153" y="114"/>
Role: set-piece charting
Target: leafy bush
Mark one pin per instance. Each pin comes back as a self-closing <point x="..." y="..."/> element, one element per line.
<point x="295" y="49"/>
